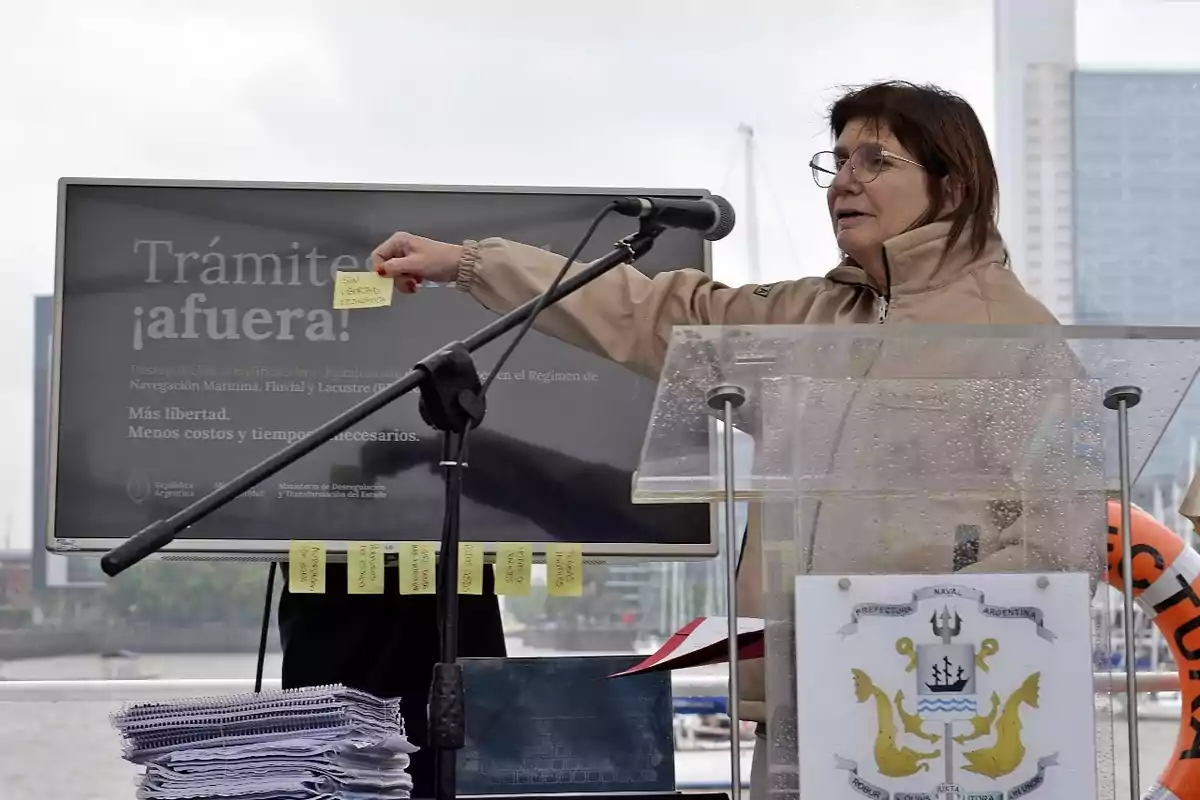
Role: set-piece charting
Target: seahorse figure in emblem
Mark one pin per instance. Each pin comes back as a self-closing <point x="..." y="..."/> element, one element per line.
<point x="892" y="760"/>
<point x="1008" y="752"/>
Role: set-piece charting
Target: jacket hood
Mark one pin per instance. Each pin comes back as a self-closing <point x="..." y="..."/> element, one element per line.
<point x="915" y="260"/>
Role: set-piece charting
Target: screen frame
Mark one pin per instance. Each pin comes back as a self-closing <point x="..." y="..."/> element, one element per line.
<point x="183" y="548"/>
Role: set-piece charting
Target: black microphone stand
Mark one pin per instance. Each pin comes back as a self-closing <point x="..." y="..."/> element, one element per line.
<point x="452" y="401"/>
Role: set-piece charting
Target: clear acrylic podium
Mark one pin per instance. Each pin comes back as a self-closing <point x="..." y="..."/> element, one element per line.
<point x="927" y="530"/>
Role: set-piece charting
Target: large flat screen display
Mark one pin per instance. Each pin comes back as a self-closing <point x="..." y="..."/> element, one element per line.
<point x="195" y="336"/>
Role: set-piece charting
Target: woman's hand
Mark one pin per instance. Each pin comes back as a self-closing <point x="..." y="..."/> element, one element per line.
<point x="410" y="259"/>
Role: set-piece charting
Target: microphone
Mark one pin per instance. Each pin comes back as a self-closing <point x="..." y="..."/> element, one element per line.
<point x="713" y="216"/>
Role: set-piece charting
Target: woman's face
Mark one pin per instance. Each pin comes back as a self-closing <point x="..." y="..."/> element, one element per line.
<point x="866" y="211"/>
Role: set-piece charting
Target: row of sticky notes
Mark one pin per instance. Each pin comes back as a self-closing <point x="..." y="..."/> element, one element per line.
<point x="418" y="568"/>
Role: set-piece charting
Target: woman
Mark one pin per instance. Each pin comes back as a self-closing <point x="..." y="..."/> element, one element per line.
<point x="912" y="196"/>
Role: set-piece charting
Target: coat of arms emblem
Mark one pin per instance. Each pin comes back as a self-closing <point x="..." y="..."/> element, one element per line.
<point x="944" y="692"/>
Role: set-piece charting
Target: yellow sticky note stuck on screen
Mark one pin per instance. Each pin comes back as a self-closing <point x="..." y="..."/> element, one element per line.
<point x="365" y="568"/>
<point x="306" y="568"/>
<point x="564" y="570"/>
<point x="470" y="568"/>
<point x="514" y="562"/>
<point x="361" y="290"/>
<point x="418" y="568"/>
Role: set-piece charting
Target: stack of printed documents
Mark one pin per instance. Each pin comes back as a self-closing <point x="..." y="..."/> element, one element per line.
<point x="324" y="743"/>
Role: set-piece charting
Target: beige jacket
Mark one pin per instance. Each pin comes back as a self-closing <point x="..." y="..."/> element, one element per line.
<point x="627" y="317"/>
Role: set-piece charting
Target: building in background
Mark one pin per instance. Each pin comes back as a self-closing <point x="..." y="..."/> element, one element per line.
<point x="16" y="581"/>
<point x="1137" y="135"/>
<point x="1137" y="200"/>
<point x="1099" y="188"/>
<point x="1035" y="61"/>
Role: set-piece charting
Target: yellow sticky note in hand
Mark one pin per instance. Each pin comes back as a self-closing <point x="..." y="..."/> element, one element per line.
<point x="514" y="563"/>
<point x="365" y="568"/>
<point x="306" y="568"/>
<point x="361" y="290"/>
<point x="418" y="568"/>
<point x="470" y="568"/>
<point x="564" y="568"/>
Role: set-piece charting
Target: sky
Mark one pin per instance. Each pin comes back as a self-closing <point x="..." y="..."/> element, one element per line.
<point x="524" y="92"/>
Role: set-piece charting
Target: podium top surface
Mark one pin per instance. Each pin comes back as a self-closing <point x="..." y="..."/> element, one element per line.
<point x="906" y="408"/>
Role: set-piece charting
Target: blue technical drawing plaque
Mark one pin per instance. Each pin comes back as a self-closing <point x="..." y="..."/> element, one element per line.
<point x="557" y="725"/>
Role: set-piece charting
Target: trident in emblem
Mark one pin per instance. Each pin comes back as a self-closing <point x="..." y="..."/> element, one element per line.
<point x="946" y="630"/>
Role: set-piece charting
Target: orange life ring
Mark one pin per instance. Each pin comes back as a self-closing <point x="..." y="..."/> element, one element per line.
<point x="1166" y="584"/>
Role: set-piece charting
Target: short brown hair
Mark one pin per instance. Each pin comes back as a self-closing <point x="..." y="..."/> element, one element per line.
<point x="942" y="132"/>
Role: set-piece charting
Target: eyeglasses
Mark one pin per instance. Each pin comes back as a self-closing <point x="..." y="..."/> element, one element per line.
<point x="866" y="162"/>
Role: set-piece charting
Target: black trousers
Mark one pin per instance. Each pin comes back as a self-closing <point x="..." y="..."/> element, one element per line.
<point x="385" y="644"/>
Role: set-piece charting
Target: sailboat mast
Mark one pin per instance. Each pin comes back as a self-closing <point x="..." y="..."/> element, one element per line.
<point x="751" y="216"/>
